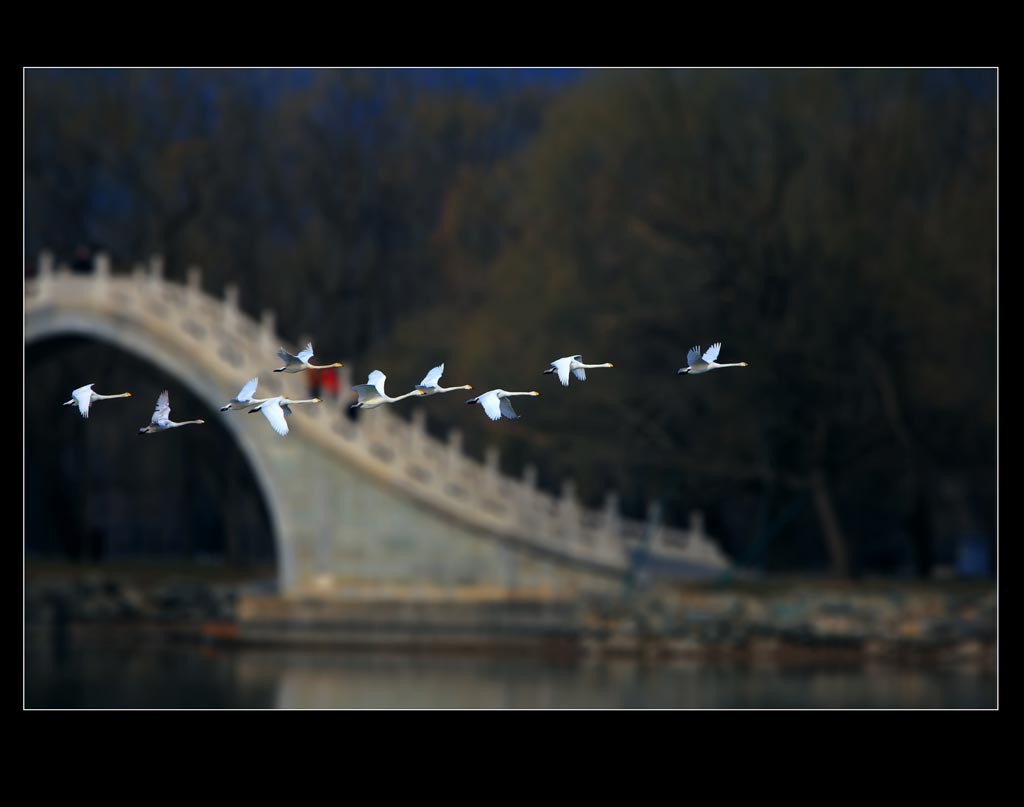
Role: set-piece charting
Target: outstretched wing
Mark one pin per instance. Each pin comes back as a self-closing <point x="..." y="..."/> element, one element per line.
<point x="431" y="378"/>
<point x="492" y="406"/>
<point x="712" y="352"/>
<point x="580" y="373"/>
<point x="84" y="397"/>
<point x="163" y="408"/>
<point x="248" y="390"/>
<point x="367" y="393"/>
<point x="272" y="412"/>
<point x="507" y="410"/>
<point x="377" y="379"/>
<point x="693" y="355"/>
<point x="562" y="365"/>
<point x="306" y="354"/>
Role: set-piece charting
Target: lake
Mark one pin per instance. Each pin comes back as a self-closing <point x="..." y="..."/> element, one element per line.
<point x="118" y="668"/>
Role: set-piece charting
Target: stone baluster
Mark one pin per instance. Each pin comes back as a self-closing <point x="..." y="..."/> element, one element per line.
<point x="193" y="286"/>
<point x="611" y="518"/>
<point x="569" y="510"/>
<point x="528" y="489"/>
<point x="417" y="432"/>
<point x="653" y="535"/>
<point x="101" y="276"/>
<point x="44" y="278"/>
<point x="696" y="531"/>
<point x="230" y="306"/>
<point x="268" y="334"/>
<point x="156" y="271"/>
<point x="453" y="454"/>
<point x="489" y="479"/>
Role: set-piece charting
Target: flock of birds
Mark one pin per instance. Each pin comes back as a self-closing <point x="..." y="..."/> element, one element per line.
<point x="495" y="403"/>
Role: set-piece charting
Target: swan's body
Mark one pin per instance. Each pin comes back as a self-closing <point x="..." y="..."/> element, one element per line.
<point x="161" y="420"/>
<point x="575" y="363"/>
<point x="84" y="397"/>
<point x="244" y="398"/>
<point x="496" y="403"/>
<point x="697" y="364"/>
<point x="372" y="395"/>
<point x="430" y="386"/>
<point x="275" y="410"/>
<point x="300" y="362"/>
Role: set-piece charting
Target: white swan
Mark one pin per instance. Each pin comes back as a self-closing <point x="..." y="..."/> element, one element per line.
<point x="244" y="398"/>
<point x="496" y="403"/>
<point x="84" y="398"/>
<point x="161" y="420"/>
<point x="372" y="395"/>
<point x="275" y="409"/>
<point x="429" y="383"/>
<point x="300" y="362"/>
<point x="574" y="363"/>
<point x="697" y="364"/>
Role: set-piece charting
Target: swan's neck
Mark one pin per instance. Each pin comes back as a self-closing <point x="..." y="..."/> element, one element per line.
<point x="285" y="401"/>
<point x="733" y="364"/>
<point x="592" y="366"/>
<point x="97" y="397"/>
<point x="453" y="389"/>
<point x="389" y="399"/>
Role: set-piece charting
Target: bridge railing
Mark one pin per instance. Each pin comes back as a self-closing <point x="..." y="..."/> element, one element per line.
<point x="438" y="470"/>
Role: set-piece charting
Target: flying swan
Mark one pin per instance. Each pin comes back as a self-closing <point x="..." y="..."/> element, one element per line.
<point x="574" y="363"/>
<point x="84" y="397"/>
<point x="161" y="420"/>
<point x="496" y="403"/>
<point x="697" y="364"/>
<point x="372" y="395"/>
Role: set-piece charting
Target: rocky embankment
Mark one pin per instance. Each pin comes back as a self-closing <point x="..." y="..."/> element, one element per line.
<point x="947" y="622"/>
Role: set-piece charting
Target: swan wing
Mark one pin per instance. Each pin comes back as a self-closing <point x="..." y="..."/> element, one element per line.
<point x="163" y="408"/>
<point x="377" y="379"/>
<point x="84" y="397"/>
<point x="247" y="391"/>
<point x="286" y="409"/>
<point x="507" y="410"/>
<point x="712" y="352"/>
<point x="368" y="393"/>
<point x="431" y="378"/>
<point x="562" y="365"/>
<point x="306" y="354"/>
<point x="286" y="357"/>
<point x="492" y="406"/>
<point x="693" y="356"/>
<point x="580" y="373"/>
<point x="272" y="412"/>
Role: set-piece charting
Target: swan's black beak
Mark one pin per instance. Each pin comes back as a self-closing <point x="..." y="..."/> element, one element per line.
<point x="471" y="401"/>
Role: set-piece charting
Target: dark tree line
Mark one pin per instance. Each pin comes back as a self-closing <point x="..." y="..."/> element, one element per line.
<point x="836" y="229"/>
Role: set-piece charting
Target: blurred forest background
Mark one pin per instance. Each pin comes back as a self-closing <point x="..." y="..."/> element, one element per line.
<point x="835" y="229"/>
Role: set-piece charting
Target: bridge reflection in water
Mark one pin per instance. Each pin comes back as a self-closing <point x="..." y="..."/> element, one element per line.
<point x="368" y="509"/>
<point x="105" y="669"/>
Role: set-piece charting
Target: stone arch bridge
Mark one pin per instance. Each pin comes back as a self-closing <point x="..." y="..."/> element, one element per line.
<point x="376" y="502"/>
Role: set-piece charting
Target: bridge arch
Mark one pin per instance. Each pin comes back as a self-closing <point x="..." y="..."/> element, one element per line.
<point x="127" y="338"/>
<point x="377" y="500"/>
